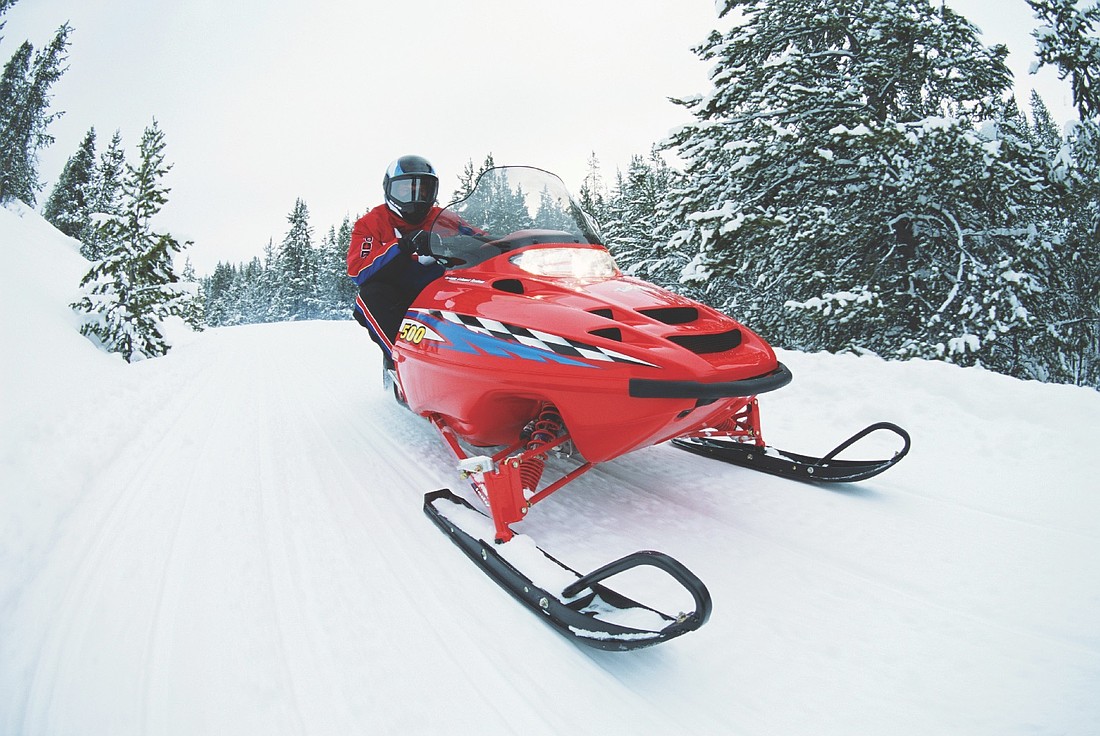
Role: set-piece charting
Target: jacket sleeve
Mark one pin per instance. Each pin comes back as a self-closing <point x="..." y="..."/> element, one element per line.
<point x="370" y="250"/>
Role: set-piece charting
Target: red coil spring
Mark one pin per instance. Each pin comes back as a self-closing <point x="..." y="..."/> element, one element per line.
<point x="738" y="424"/>
<point x="547" y="426"/>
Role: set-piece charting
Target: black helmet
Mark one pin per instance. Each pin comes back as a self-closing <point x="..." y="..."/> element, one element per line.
<point x="410" y="185"/>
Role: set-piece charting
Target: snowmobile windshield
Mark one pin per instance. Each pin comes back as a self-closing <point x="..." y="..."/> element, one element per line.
<point x="511" y="207"/>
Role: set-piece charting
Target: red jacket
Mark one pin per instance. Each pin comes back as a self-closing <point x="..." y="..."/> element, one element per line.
<point x="374" y="238"/>
<point x="374" y="241"/>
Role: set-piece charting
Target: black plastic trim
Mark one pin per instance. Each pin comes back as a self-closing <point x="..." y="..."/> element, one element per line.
<point x="644" y="388"/>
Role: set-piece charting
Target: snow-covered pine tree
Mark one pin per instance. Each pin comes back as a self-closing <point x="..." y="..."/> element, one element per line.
<point x="499" y="205"/>
<point x="14" y="83"/>
<point x="69" y="206"/>
<point x="106" y="200"/>
<point x="326" y="282"/>
<point x="4" y="6"/>
<point x="841" y="169"/>
<point x="193" y="310"/>
<point x="1072" y="339"/>
<point x="593" y="194"/>
<point x="1045" y="132"/>
<point x="638" y="223"/>
<point x="553" y="213"/>
<point x="347" y="289"/>
<point x="133" y="289"/>
<point x="465" y="181"/>
<point x="295" y="270"/>
<point x="1069" y="38"/>
<point x="336" y="292"/>
<point x="215" y="289"/>
<point x="25" y="116"/>
<point x="469" y="176"/>
<point x="257" y="286"/>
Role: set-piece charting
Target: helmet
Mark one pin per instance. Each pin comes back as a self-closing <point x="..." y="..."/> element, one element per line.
<point x="410" y="185"/>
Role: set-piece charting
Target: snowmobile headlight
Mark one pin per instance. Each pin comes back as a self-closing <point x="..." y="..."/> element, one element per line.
<point x="568" y="263"/>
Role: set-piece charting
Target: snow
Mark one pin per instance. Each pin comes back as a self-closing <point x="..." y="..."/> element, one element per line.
<point x="964" y="343"/>
<point x="229" y="540"/>
<point x="859" y="130"/>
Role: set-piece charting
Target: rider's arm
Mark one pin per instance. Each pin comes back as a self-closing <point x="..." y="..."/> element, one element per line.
<point x="371" y="251"/>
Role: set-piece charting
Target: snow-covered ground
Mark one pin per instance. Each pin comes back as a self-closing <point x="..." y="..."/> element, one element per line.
<point x="229" y="540"/>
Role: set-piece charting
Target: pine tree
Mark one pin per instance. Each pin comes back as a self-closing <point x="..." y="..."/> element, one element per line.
<point x="14" y="84"/>
<point x="296" y="269"/>
<point x="5" y="5"/>
<point x="850" y="184"/>
<point x="106" y="197"/>
<point x="593" y="195"/>
<point x="133" y="289"/>
<point x="465" y="182"/>
<point x="216" y="289"/>
<point x="334" y="289"/>
<point x="258" y="284"/>
<point x="1045" y="131"/>
<point x="69" y="207"/>
<point x="553" y="213"/>
<point x="193" y="305"/>
<point x="469" y="176"/>
<point x="1072" y="338"/>
<point x="25" y="117"/>
<point x="638" y="221"/>
<point x="499" y="205"/>
<point x="1070" y="40"/>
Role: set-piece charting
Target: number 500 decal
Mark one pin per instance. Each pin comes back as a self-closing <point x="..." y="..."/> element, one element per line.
<point x="416" y="332"/>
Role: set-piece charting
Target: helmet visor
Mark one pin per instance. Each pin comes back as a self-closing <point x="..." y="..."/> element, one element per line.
<point x="413" y="189"/>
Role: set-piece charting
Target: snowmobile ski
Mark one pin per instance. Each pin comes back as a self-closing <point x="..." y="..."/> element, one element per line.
<point x="583" y="608"/>
<point x="825" y="469"/>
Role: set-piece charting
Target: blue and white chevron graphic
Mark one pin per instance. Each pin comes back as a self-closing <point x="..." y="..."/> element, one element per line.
<point x="471" y="334"/>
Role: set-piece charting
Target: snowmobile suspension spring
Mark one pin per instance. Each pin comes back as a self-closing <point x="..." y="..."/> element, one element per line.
<point x="743" y="423"/>
<point x="547" y="426"/>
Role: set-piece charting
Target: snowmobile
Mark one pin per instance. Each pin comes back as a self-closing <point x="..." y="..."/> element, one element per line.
<point x="536" y="359"/>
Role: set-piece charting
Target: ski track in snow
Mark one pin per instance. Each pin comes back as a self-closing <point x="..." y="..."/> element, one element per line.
<point x="230" y="540"/>
<point x="257" y="464"/>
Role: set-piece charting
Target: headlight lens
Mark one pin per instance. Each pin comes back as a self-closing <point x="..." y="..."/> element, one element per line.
<point x="567" y="263"/>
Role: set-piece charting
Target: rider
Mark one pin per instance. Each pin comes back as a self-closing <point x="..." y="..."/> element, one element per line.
<point x="382" y="254"/>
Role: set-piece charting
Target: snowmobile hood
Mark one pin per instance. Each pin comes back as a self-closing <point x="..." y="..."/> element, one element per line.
<point x="628" y="315"/>
<point x="533" y="311"/>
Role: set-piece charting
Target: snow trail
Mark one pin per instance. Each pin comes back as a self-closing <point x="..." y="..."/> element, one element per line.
<point x="230" y="540"/>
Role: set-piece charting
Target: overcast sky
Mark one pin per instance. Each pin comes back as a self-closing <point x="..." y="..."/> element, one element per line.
<point x="266" y="101"/>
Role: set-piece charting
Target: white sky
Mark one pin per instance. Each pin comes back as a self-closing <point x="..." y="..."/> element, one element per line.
<point x="266" y="101"/>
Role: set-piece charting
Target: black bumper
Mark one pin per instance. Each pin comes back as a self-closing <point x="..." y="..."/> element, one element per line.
<point x="642" y="388"/>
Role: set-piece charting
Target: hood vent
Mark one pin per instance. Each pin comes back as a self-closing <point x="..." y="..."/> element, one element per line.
<point x="672" y="315"/>
<point x="512" y="286"/>
<point x="608" y="333"/>
<point x="702" y="344"/>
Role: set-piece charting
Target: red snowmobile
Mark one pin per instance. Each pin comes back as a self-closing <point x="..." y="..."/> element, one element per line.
<point x="535" y="352"/>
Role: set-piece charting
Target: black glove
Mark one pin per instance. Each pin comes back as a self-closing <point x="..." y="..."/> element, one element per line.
<point x="412" y="242"/>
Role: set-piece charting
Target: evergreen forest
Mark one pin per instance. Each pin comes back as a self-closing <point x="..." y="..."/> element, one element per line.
<point x="859" y="177"/>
